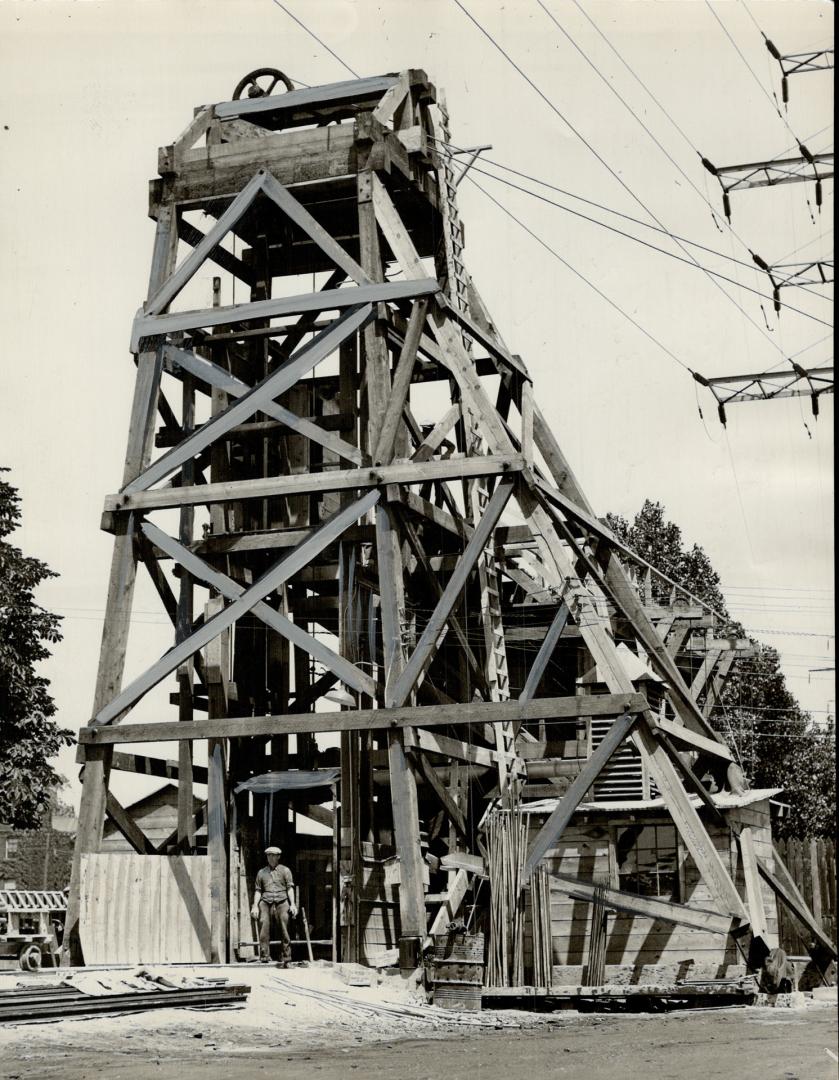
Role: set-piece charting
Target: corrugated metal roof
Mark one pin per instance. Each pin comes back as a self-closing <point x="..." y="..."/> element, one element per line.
<point x="725" y="800"/>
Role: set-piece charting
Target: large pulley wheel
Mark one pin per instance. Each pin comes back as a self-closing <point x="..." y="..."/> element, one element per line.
<point x="251" y="86"/>
<point x="29" y="958"/>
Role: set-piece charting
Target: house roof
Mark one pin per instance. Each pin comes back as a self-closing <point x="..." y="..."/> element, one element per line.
<point x="725" y="800"/>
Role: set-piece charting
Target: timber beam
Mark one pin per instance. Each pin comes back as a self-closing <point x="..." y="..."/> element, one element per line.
<point x="484" y="712"/>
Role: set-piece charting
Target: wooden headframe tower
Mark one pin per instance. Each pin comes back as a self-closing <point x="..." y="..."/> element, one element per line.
<point x="352" y="509"/>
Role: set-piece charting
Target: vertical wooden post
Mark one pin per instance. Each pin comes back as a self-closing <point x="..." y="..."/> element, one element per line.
<point x="815" y="877"/>
<point x="120" y="589"/>
<point x="403" y="787"/>
<point x="216" y="850"/>
<point x="217" y="674"/>
<point x="186" y="831"/>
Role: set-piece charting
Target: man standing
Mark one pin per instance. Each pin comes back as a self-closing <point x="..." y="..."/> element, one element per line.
<point x="273" y="904"/>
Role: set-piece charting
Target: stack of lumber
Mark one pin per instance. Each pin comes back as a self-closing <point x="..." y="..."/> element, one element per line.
<point x="506" y="843"/>
<point x="63" y="1000"/>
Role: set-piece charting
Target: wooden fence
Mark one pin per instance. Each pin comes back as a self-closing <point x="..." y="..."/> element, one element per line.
<point x="812" y="864"/>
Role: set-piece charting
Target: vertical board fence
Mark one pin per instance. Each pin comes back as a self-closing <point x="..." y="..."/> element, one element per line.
<point x="812" y="864"/>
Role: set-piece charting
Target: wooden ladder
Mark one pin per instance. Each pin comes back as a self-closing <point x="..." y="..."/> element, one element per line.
<point x="457" y="283"/>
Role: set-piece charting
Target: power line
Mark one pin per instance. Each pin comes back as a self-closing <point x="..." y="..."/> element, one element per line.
<point x="557" y="111"/>
<point x="580" y="275"/>
<point x="312" y="34"/>
<point x="739" y="52"/>
<point x="588" y="145"/>
<point x="669" y="157"/>
<point x="687" y="140"/>
<point x="592" y="202"/>
<point x="691" y="261"/>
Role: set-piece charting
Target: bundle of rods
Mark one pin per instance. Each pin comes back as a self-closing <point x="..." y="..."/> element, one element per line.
<point x="506" y="842"/>
<point x="596" y="970"/>
<point x="540" y="918"/>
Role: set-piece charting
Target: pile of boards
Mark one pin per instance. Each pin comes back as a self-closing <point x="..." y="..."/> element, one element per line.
<point x="111" y="994"/>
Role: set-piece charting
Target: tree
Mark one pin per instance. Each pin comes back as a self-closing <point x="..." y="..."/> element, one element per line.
<point x="29" y="736"/>
<point x="773" y="739"/>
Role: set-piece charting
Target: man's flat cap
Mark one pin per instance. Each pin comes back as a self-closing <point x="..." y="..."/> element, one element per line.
<point x="273" y="851"/>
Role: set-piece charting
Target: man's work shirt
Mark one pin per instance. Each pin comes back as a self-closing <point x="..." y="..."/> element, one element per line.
<point x="274" y="884"/>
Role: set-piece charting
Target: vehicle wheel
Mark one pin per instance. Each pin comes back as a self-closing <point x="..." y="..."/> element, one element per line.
<point x="30" y="958"/>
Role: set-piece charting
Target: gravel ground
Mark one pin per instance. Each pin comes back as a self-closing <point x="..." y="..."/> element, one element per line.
<point x="313" y="1023"/>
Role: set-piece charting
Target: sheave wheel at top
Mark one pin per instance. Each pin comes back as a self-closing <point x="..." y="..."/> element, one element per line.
<point x="251" y="87"/>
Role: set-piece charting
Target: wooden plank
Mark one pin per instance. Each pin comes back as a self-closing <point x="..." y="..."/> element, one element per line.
<point x="705" y="672"/>
<point x="401" y="472"/>
<point x="646" y="906"/>
<point x="392" y="99"/>
<point x="216" y="850"/>
<point x="676" y="637"/>
<point x="480" y="712"/>
<point x="692" y="781"/>
<point x="152" y="766"/>
<point x="426" y="647"/>
<point x="508" y="362"/>
<point x="434" y="439"/>
<point x="537" y="670"/>
<point x="553" y="828"/>
<point x="690" y="738"/>
<point x="431" y="778"/>
<point x="454" y="622"/>
<point x="456" y="748"/>
<point x="325" y="300"/>
<point x="754" y="893"/>
<point x="448" y="911"/>
<point x="197" y="127"/>
<point x="284" y="569"/>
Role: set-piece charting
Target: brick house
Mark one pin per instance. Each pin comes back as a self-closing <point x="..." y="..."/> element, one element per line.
<point x="38" y="858"/>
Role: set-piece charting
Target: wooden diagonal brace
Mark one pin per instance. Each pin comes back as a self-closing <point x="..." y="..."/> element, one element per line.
<point x="426" y="771"/>
<point x="262" y="394"/>
<point x="285" y="568"/>
<point x="554" y="827"/>
<point x="646" y="906"/>
<point x="221" y="379"/>
<point x="787" y="891"/>
<point x="232" y="590"/>
<point x="127" y="826"/>
<point x="426" y="647"/>
<point x="549" y="643"/>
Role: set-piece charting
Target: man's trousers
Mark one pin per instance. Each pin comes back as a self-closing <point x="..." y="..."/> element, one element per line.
<point x="270" y="916"/>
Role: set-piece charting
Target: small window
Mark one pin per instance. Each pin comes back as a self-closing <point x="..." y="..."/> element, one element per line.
<point x="647" y="861"/>
<point x="11" y="846"/>
<point x="10" y="883"/>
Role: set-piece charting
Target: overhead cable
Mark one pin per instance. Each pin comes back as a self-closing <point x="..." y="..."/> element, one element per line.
<point x="669" y="157"/>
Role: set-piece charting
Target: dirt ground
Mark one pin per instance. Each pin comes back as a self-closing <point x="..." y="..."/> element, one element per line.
<point x="287" y="1030"/>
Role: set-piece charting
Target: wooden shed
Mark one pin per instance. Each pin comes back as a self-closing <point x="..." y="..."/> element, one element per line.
<point x="634" y="847"/>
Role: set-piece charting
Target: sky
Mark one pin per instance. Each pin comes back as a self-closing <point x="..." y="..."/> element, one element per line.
<point x="609" y="329"/>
